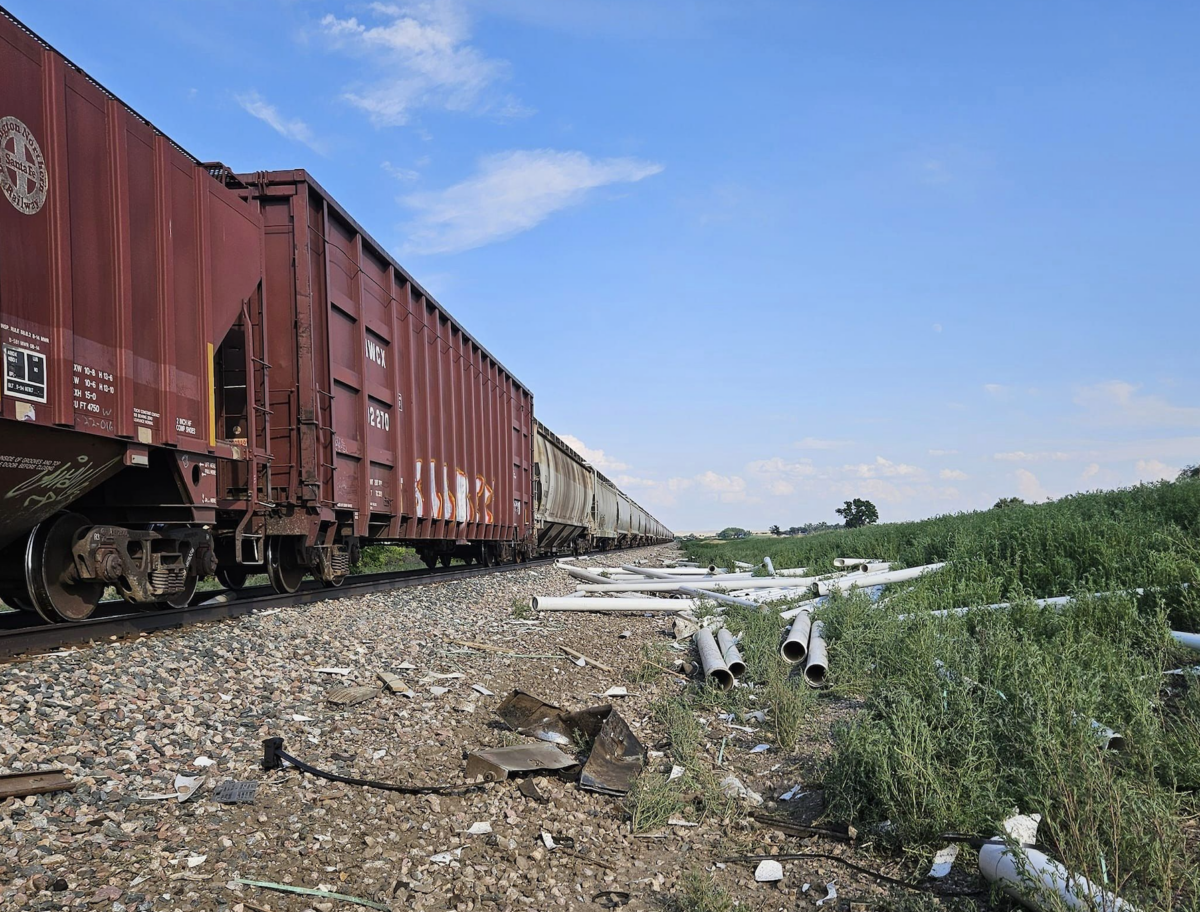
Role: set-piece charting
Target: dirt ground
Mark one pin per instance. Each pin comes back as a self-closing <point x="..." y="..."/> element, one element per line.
<point x="125" y="717"/>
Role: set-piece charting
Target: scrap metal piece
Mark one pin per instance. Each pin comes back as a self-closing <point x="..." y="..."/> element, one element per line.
<point x="494" y="764"/>
<point x="232" y="791"/>
<point x="528" y="788"/>
<point x="21" y="785"/>
<point x="615" y="760"/>
<point x="529" y="715"/>
<point x="349" y="696"/>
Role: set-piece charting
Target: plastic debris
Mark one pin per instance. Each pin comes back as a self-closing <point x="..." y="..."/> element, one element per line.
<point x="444" y="858"/>
<point x="1022" y="827"/>
<point x="768" y="871"/>
<point x="379" y="754"/>
<point x="185" y="788"/>
<point x="481" y="690"/>
<point x="305" y="891"/>
<point x="196" y="860"/>
<point x="831" y="895"/>
<point x="299" y="718"/>
<point x="350" y="696"/>
<point x="679" y="821"/>
<point x="760" y="748"/>
<point x="204" y="761"/>
<point x="793" y="792"/>
<point x="439" y="691"/>
<point x="231" y="791"/>
<point x="757" y="716"/>
<point x="676" y="772"/>
<point x="548" y="842"/>
<point x="732" y="787"/>
<point x="617" y="690"/>
<point x="943" y="861"/>
<point x="480" y="829"/>
<point x="334" y="671"/>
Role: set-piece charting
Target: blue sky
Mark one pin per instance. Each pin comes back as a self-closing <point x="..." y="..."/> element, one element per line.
<point x="755" y="257"/>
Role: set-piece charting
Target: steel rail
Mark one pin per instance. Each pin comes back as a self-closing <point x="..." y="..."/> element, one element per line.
<point x="118" y="622"/>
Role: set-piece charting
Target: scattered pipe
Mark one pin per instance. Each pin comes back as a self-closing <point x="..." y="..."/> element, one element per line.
<point x="1038" y="882"/>
<point x="794" y="571"/>
<point x="742" y="565"/>
<point x="795" y="646"/>
<point x="817" y="664"/>
<point x="876" y="566"/>
<point x="770" y="566"/>
<point x="803" y="606"/>
<point x="846" y="583"/>
<point x="730" y="653"/>
<point x="587" y="576"/>
<point x="715" y="669"/>
<point x="850" y="561"/>
<point x="717" y="597"/>
<point x="721" y="583"/>
<point x="1108" y="738"/>
<point x="1190" y="640"/>
<point x="569" y="603"/>
<point x="652" y="574"/>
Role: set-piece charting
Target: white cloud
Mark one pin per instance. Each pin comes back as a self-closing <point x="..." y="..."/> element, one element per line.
<point x="997" y="390"/>
<point x="882" y="468"/>
<point x="1154" y="470"/>
<point x="512" y="192"/>
<point x="1090" y="471"/>
<point x="953" y="475"/>
<point x="723" y="488"/>
<point x="728" y="488"/>
<point x="424" y="60"/>
<point x="943" y="452"/>
<point x="598" y="458"/>
<point x="254" y="104"/>
<point x="817" y="443"/>
<point x="400" y="174"/>
<point x="1029" y="487"/>
<point x="1116" y="402"/>
<point x="1022" y="456"/>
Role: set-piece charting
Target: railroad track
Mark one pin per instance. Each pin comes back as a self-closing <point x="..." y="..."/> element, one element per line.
<point x="114" y="619"/>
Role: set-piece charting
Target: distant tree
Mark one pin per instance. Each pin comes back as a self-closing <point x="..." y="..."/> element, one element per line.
<point x="858" y="512"/>
<point x="1189" y="473"/>
<point x="1005" y="502"/>
<point x="732" y="532"/>
<point x="794" y="530"/>
<point x="775" y="530"/>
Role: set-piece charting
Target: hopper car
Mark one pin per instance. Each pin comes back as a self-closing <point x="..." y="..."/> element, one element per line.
<point x="217" y="374"/>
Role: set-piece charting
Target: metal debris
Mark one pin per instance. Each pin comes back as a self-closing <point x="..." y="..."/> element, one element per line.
<point x="21" y="785"/>
<point x="615" y="760"/>
<point x="231" y="791"/>
<point x="494" y="764"/>
<point x="350" y="696"/>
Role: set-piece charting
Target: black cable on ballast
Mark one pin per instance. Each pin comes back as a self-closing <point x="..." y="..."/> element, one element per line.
<point x="274" y="755"/>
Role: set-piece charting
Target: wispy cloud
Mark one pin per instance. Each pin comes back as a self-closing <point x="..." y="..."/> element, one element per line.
<point x="254" y="104"/>
<point x="943" y="452"/>
<point x="598" y="458"/>
<point x="882" y="468"/>
<point x="953" y="475"/>
<point x="1040" y="456"/>
<point x="1154" y="470"/>
<point x="1118" y="403"/>
<point x="997" y="390"/>
<point x="512" y="192"/>
<point x="1029" y="487"/>
<point x="722" y="488"/>
<point x="816" y="443"/>
<point x="423" y="59"/>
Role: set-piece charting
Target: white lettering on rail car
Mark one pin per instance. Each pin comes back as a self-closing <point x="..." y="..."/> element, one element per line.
<point x="378" y="418"/>
<point x="376" y="352"/>
<point x="23" y="174"/>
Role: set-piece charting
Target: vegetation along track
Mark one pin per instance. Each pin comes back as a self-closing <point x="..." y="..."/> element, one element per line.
<point x="114" y="618"/>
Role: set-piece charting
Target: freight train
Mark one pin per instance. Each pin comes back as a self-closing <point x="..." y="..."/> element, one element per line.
<point x="218" y="374"/>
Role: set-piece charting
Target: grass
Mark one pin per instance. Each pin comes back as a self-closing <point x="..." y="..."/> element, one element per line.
<point x="698" y="892"/>
<point x="965" y="718"/>
<point x="522" y="610"/>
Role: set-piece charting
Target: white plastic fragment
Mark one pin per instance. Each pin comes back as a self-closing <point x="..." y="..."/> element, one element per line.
<point x="1038" y="882"/>
<point x="1022" y="827"/>
<point x="482" y="828"/>
<point x="617" y="690"/>
<point x="186" y="786"/>
<point x="676" y="772"/>
<point x="438" y="691"/>
<point x="334" y="671"/>
<point x="444" y="858"/>
<point x="943" y="861"/>
<point x="793" y="792"/>
<point x="196" y="860"/>
<point x="757" y="716"/>
<point x="768" y="871"/>
<point x="831" y="895"/>
<point x="548" y="841"/>
<point x="204" y="761"/>
<point x="732" y="787"/>
<point x="379" y="754"/>
<point x="806" y="888"/>
<point x="300" y="718"/>
<point x="481" y="690"/>
<point x="679" y="821"/>
<point x="760" y="748"/>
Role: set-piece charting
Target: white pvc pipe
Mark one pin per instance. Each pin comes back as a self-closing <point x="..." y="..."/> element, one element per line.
<point x="794" y="612"/>
<point x="850" y="561"/>
<point x="794" y="571"/>
<point x="715" y="669"/>
<point x="770" y="566"/>
<point x="729" y="652"/>
<point x="853" y="581"/>
<point x="816" y="666"/>
<point x="568" y="603"/>
<point x="876" y="566"/>
<point x="722" y="583"/>
<point x="795" y="646"/>
<point x="1038" y="882"/>
<point x="1190" y="640"/>
<point x="742" y="565"/>
<point x="717" y="597"/>
<point x="588" y="576"/>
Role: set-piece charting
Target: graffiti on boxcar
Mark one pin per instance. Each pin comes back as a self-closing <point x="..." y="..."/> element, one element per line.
<point x="453" y="502"/>
<point x="483" y="494"/>
<point x="61" y="483"/>
<point x="462" y="489"/>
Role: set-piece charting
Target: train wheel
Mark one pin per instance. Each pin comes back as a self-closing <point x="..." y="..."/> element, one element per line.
<point x="283" y="565"/>
<point x="55" y="591"/>
<point x="232" y="577"/>
<point x="183" y="598"/>
<point x="334" y="583"/>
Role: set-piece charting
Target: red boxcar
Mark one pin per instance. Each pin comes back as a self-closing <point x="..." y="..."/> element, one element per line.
<point x="123" y="264"/>
<point x="389" y="421"/>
